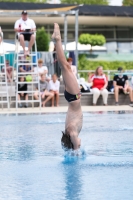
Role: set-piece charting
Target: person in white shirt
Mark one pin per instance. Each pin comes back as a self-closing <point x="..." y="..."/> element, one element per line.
<point x="25" y="28"/>
<point x="54" y="86"/>
<point x="41" y="69"/>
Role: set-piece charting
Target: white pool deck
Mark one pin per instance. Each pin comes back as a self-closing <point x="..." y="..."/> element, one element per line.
<point x="63" y="109"/>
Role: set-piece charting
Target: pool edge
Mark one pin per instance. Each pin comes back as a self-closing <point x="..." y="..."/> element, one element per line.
<point x="64" y="109"/>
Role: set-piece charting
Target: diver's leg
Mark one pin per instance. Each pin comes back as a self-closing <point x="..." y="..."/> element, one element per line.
<point x="69" y="78"/>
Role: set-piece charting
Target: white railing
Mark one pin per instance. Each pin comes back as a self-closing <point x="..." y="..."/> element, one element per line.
<point x="108" y="72"/>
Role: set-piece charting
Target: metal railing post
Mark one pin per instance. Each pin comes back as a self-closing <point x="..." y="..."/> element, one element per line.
<point x="76" y="37"/>
<point x="65" y="32"/>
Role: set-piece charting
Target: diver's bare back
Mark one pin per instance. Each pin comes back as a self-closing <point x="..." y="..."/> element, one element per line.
<point x="74" y="116"/>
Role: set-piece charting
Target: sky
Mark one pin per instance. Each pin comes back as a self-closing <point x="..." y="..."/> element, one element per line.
<point x="116" y="2"/>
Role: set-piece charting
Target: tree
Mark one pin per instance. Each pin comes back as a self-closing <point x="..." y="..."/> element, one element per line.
<point x="27" y="1"/>
<point x="91" y="39"/>
<point x="90" y="2"/>
<point x="42" y="39"/>
<point x="127" y="2"/>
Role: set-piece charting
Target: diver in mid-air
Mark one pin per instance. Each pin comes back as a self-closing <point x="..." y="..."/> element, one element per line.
<point x="74" y="118"/>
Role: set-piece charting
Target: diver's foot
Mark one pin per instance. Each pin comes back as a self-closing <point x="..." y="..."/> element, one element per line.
<point x="56" y="34"/>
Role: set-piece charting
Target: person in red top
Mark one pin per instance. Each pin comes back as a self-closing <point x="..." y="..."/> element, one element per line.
<point x="99" y="83"/>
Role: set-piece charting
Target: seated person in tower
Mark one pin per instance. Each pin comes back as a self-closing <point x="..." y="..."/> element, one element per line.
<point x="54" y="86"/>
<point x="121" y="85"/>
<point x="22" y="88"/>
<point x="25" y="27"/>
<point x="43" y="91"/>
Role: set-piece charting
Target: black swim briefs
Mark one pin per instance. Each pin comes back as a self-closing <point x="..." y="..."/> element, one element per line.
<point x="71" y="97"/>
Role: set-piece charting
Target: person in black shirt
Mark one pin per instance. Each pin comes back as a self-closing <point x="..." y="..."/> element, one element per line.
<point x="121" y="86"/>
<point x="22" y="87"/>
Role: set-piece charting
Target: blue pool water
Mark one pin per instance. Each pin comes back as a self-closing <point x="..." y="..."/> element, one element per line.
<point x="33" y="165"/>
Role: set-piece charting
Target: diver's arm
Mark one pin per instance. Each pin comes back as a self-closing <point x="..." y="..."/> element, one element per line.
<point x="74" y="140"/>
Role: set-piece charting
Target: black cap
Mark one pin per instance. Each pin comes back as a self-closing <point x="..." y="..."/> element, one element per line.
<point x="120" y="68"/>
<point x="24" y="12"/>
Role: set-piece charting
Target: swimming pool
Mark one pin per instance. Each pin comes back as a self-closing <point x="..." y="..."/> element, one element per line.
<point x="33" y="165"/>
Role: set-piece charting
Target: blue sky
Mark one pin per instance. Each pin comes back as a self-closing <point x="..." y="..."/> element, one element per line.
<point x="116" y="2"/>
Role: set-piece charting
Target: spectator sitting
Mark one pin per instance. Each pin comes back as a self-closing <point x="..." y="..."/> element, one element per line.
<point x="121" y="85"/>
<point x="25" y="28"/>
<point x="99" y="84"/>
<point x="9" y="71"/>
<point x="43" y="91"/>
<point x="73" y="67"/>
<point x="54" y="86"/>
<point x="22" y="87"/>
<point x="41" y="69"/>
<point x="25" y="68"/>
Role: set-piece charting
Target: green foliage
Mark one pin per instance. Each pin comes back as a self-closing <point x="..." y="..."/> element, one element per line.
<point x="42" y="39"/>
<point x="90" y="2"/>
<point x="85" y="64"/>
<point x="127" y="2"/>
<point x="92" y="39"/>
<point x="27" y="1"/>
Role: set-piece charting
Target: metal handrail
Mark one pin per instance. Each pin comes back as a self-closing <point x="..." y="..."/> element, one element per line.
<point x="18" y="63"/>
<point x="109" y="72"/>
<point x="5" y="77"/>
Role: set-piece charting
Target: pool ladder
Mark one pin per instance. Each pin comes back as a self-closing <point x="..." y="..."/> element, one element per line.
<point x="4" y="95"/>
<point x="20" y="60"/>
